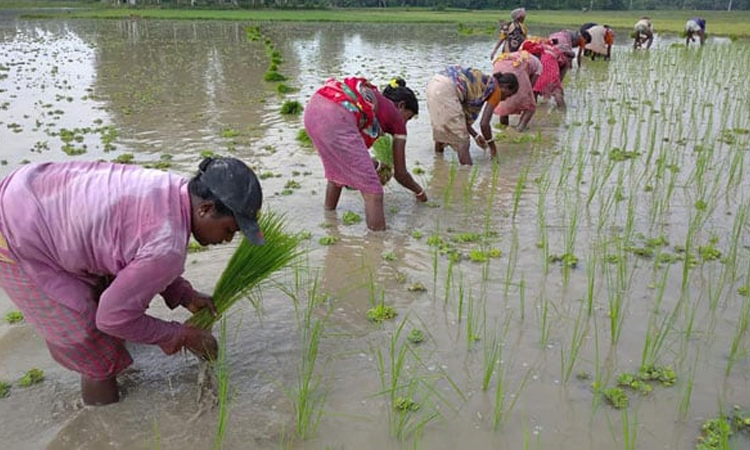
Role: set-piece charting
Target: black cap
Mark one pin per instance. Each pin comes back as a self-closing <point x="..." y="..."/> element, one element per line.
<point x="237" y="187"/>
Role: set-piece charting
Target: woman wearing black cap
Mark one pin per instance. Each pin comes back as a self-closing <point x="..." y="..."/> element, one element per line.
<point x="85" y="246"/>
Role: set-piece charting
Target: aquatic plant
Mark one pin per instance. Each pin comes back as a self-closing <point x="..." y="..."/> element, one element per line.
<point x="250" y="265"/>
<point x="291" y="108"/>
<point x="31" y="377"/>
<point x="4" y="389"/>
<point x="415" y="336"/>
<point x="328" y="240"/>
<point x="350" y="218"/>
<point x="382" y="150"/>
<point x="381" y="312"/>
<point x="616" y="397"/>
<point x="12" y="317"/>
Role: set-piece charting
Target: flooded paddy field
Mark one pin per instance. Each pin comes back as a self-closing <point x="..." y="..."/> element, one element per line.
<point x="611" y="239"/>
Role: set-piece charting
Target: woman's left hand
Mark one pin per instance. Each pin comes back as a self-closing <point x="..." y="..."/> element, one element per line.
<point x="200" y="301"/>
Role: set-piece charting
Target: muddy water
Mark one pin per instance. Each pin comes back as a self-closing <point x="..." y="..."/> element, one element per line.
<point x="179" y="89"/>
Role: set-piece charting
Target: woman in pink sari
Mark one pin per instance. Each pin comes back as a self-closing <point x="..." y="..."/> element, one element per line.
<point x="343" y="119"/>
<point x="549" y="84"/>
<point x="527" y="69"/>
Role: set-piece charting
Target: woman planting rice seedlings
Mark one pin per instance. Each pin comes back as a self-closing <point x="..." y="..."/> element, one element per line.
<point x="455" y="97"/>
<point x="512" y="34"/>
<point x="549" y="84"/>
<point x="695" y="27"/>
<point x="85" y="246"/>
<point x="643" y="33"/>
<point x="527" y="69"/>
<point x="600" y="44"/>
<point x="344" y="119"/>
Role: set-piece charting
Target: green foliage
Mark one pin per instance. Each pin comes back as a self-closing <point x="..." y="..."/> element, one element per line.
<point x="31" y="377"/>
<point x="616" y="397"/>
<point x="328" y="240"/>
<point x="292" y="108"/>
<point x="417" y="286"/>
<point x="13" y="317"/>
<point x="566" y="259"/>
<point x="273" y="75"/>
<point x="4" y="389"/>
<point x="194" y="247"/>
<point x="250" y="265"/>
<point x="303" y="138"/>
<point x="285" y="88"/>
<point x="415" y="336"/>
<point x="381" y="313"/>
<point x="350" y="218"/>
<point x="382" y="150"/>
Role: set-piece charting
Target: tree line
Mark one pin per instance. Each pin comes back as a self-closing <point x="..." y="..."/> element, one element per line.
<point x="582" y="5"/>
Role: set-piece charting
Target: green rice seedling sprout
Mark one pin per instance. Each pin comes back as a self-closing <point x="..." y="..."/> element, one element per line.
<point x="328" y="240"/>
<point x="350" y="218"/>
<point x="291" y="108"/>
<point x="221" y="365"/>
<point x="616" y="397"/>
<point x="4" y="389"/>
<point x="250" y="265"/>
<point x="580" y="327"/>
<point x="31" y="377"/>
<point x="518" y="191"/>
<point x="382" y="150"/>
<point x="12" y="317"/>
<point x="415" y="336"/>
<point x="273" y="75"/>
<point x="303" y="138"/>
<point x="309" y="397"/>
<point x="380" y="312"/>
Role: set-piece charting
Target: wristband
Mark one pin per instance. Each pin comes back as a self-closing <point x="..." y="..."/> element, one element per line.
<point x="421" y="193"/>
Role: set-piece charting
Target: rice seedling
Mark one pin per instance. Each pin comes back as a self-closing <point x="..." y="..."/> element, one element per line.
<point x="249" y="266"/>
<point x="382" y="150"/>
<point x="407" y="393"/>
<point x="4" y="389"/>
<point x="221" y="366"/>
<point x="291" y="108"/>
<point x="31" y="377"/>
<point x="12" y="317"/>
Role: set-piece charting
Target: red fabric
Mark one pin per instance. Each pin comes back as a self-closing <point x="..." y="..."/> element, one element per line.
<point x="348" y="93"/>
<point x="549" y="81"/>
<point x="389" y="116"/>
<point x="72" y="337"/>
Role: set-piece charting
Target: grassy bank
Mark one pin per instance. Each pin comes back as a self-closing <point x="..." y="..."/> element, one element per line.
<point x="718" y="22"/>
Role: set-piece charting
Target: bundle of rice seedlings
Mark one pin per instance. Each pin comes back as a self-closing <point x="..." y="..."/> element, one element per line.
<point x="382" y="150"/>
<point x="249" y="266"/>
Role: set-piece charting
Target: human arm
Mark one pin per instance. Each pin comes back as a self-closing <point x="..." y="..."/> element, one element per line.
<point x="496" y="48"/>
<point x="484" y="123"/>
<point x="400" y="172"/>
<point x="122" y="308"/>
<point x="181" y="292"/>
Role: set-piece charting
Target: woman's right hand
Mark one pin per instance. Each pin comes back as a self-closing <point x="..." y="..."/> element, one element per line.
<point x="201" y="343"/>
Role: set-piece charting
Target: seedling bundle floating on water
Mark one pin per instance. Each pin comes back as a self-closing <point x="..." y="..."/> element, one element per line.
<point x="249" y="266"/>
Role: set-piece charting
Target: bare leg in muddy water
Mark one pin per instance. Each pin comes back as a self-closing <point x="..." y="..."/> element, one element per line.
<point x="99" y="392"/>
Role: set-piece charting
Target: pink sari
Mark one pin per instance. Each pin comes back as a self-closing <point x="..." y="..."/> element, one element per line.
<point x="523" y="65"/>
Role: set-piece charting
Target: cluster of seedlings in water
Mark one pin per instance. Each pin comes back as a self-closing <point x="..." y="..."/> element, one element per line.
<point x="290" y="186"/>
<point x="195" y="247"/>
<point x="12" y="317"/>
<point x="566" y="259"/>
<point x="406" y="404"/>
<point x="417" y="286"/>
<point x="328" y="240"/>
<point x="449" y="247"/>
<point x="31" y="377"/>
<point x="350" y="218"/>
<point x="415" y="336"/>
<point x="619" y="155"/>
<point x="289" y="107"/>
<point x="381" y="312"/>
<point x="4" y="389"/>
<point x="640" y="382"/>
<point x="303" y="138"/>
<point x="716" y="432"/>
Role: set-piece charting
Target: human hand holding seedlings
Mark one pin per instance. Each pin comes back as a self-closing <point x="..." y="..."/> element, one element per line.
<point x="201" y="343"/>
<point x="200" y="301"/>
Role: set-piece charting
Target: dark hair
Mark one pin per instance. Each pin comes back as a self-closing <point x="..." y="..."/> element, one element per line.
<point x="506" y="81"/>
<point x="197" y="187"/>
<point x="586" y="36"/>
<point x="397" y="92"/>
